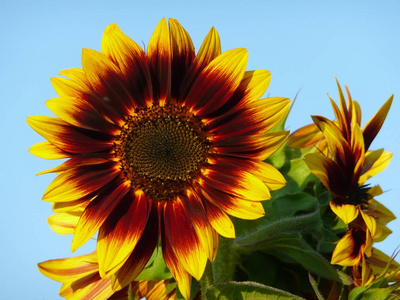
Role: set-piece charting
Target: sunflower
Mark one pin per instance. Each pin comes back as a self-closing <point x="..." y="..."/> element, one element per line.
<point x="160" y="145"/>
<point x="347" y="163"/>
<point x="343" y="164"/>
<point x="81" y="280"/>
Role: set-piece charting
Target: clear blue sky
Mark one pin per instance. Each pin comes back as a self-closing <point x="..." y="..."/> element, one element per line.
<point x="303" y="43"/>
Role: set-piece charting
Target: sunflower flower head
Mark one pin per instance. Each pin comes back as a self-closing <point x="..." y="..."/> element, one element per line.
<point x="161" y="146"/>
<point x="343" y="163"/>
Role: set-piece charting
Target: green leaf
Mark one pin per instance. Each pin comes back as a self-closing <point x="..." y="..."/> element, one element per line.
<point x="315" y="287"/>
<point x="292" y="248"/>
<point x="278" y="158"/>
<point x="299" y="173"/>
<point x="155" y="268"/>
<point x="367" y="293"/>
<point x="254" y="237"/>
<point x="247" y="291"/>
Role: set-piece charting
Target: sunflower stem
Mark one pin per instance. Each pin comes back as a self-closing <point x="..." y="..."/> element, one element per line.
<point x="131" y="296"/>
<point x="225" y="263"/>
<point x="207" y="280"/>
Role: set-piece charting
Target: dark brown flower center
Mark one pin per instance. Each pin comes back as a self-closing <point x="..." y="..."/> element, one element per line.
<point x="162" y="149"/>
<point x="359" y="196"/>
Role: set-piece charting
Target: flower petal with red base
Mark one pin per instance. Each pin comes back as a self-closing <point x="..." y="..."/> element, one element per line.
<point x="237" y="182"/>
<point x="218" y="218"/>
<point x="67" y="138"/>
<point x="182" y="277"/>
<point x="205" y="232"/>
<point x="159" y="54"/>
<point x="217" y="82"/>
<point x="69" y="269"/>
<point x="183" y="55"/>
<point x="47" y="151"/>
<point x="210" y="49"/>
<point x="373" y="126"/>
<point x="346" y="212"/>
<point x="131" y="60"/>
<point x="107" y="82"/>
<point x="98" y="211"/>
<point x="183" y="238"/>
<point x="141" y="254"/>
<point x="80" y="113"/>
<point x="76" y="183"/>
<point x="121" y="231"/>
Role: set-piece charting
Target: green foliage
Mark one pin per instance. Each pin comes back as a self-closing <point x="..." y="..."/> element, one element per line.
<point x="247" y="291"/>
<point x="155" y="268"/>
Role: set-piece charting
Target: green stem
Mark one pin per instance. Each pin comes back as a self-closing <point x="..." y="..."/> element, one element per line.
<point x="224" y="265"/>
<point x="207" y="280"/>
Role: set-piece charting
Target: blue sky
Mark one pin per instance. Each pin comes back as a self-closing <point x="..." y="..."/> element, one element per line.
<point x="303" y="43"/>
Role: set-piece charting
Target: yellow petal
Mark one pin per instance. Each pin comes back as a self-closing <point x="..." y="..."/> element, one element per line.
<point x="70" y="269"/>
<point x="378" y="166"/>
<point x="64" y="223"/>
<point x="159" y="54"/>
<point x="346" y="212"/>
<point x="272" y="141"/>
<point x="47" y="150"/>
<point x="342" y="255"/>
<point x="373" y="126"/>
<point x="377" y="209"/>
<point x="209" y="49"/>
<point x="370" y="222"/>
<point x="305" y="137"/>
<point x="218" y="219"/>
<point x="271" y="176"/>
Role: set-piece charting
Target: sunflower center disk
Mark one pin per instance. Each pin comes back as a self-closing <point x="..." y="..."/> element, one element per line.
<point x="161" y="149"/>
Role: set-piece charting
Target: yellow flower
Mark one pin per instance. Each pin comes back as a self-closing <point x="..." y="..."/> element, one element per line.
<point x="81" y="280"/>
<point x="159" y="144"/>
<point x="347" y="163"/>
<point x="357" y="242"/>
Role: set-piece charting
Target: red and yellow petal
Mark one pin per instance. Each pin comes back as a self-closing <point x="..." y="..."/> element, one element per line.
<point x="198" y="216"/>
<point x="237" y="182"/>
<point x="80" y="113"/>
<point x="65" y="222"/>
<point x="131" y="60"/>
<point x="305" y="137"/>
<point x="217" y="82"/>
<point x="327" y="171"/>
<point x="76" y="183"/>
<point x="69" y="269"/>
<point x="346" y="212"/>
<point x="219" y="220"/>
<point x="108" y="83"/>
<point x="339" y="148"/>
<point x="373" y="126"/>
<point x="67" y="138"/>
<point x="47" y="151"/>
<point x="140" y="254"/>
<point x="159" y="54"/>
<point x="120" y="233"/>
<point x="235" y="206"/>
<point x="346" y="252"/>
<point x="272" y="178"/>
<point x="98" y="211"/>
<point x="183" y="55"/>
<point x="183" y="239"/>
<point x="375" y="162"/>
<point x="182" y="277"/>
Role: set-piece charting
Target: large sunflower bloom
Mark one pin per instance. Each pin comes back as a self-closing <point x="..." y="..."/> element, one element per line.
<point x="81" y="280"/>
<point x="160" y="145"/>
